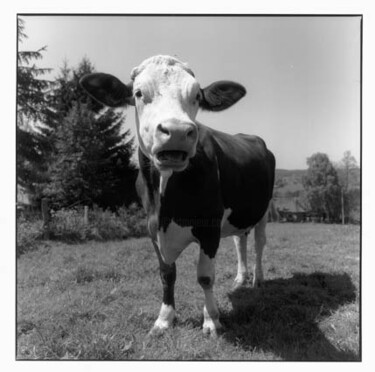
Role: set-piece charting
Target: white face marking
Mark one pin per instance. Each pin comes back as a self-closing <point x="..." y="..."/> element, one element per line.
<point x="173" y="241"/>
<point x="167" y="102"/>
<point x="227" y="229"/>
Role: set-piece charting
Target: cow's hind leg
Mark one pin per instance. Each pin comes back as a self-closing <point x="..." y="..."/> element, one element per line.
<point x="167" y="310"/>
<point x="260" y="242"/>
<point x="206" y="279"/>
<point x="241" y="250"/>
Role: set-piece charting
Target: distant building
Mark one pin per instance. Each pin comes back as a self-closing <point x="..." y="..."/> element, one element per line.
<point x="291" y="209"/>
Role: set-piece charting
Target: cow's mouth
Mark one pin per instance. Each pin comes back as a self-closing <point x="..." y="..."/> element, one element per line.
<point x="172" y="156"/>
<point x="171" y="159"/>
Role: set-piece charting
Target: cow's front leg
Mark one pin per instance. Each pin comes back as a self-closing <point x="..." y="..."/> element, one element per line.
<point x="167" y="310"/>
<point x="206" y="279"/>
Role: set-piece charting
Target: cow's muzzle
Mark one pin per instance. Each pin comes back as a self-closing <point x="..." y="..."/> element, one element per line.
<point x="175" y="144"/>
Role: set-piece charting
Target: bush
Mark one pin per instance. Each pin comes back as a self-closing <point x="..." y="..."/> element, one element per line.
<point x="135" y="219"/>
<point x="29" y="232"/>
<point x="68" y="224"/>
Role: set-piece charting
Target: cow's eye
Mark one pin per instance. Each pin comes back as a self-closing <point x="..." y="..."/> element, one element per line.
<point x="198" y="97"/>
<point x="138" y="94"/>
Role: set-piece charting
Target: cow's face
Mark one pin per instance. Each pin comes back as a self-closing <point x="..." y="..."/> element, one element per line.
<point x="167" y="98"/>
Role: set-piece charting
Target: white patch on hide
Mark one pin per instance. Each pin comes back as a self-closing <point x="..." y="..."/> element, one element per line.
<point x="227" y="229"/>
<point x="173" y="241"/>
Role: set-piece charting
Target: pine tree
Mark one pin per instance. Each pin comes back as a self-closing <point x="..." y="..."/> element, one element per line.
<point x="92" y="156"/>
<point x="32" y="135"/>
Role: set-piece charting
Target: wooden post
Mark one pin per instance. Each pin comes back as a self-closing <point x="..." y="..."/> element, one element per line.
<point x="86" y="215"/>
<point x="342" y="207"/>
<point x="46" y="218"/>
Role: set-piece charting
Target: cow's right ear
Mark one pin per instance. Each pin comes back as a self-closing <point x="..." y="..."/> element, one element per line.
<point x="108" y="90"/>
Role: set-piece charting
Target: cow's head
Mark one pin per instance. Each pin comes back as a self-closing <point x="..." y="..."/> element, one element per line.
<point x="167" y="98"/>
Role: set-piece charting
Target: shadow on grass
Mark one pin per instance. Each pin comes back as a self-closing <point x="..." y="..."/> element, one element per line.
<point x="282" y="317"/>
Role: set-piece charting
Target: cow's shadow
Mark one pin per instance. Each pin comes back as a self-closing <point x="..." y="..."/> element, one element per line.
<point x="282" y="317"/>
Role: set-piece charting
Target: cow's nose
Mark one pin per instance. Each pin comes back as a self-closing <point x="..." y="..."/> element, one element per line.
<point x="176" y="132"/>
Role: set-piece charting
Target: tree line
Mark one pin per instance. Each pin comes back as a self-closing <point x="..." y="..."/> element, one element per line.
<point x="70" y="148"/>
<point x="325" y="191"/>
<point x="330" y="191"/>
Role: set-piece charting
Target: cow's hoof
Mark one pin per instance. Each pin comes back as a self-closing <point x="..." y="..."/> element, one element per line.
<point x="212" y="328"/>
<point x="238" y="283"/>
<point x="157" y="331"/>
<point x="257" y="283"/>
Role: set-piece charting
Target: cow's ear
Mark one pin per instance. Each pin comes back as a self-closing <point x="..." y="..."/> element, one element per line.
<point x="108" y="90"/>
<point x="220" y="95"/>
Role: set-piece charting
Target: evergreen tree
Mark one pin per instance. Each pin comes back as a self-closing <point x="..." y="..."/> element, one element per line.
<point x="32" y="135"/>
<point x="322" y="187"/>
<point x="67" y="91"/>
<point x="92" y="156"/>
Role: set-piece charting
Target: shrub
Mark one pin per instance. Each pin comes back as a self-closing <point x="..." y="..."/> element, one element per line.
<point x="135" y="219"/>
<point x="69" y="225"/>
<point x="29" y="232"/>
<point x="106" y="225"/>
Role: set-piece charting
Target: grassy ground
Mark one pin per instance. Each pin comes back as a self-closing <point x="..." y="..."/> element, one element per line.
<point x="99" y="300"/>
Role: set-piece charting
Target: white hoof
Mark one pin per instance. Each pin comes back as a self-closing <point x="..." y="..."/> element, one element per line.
<point x="165" y="320"/>
<point x="157" y="331"/>
<point x="239" y="281"/>
<point x="212" y="327"/>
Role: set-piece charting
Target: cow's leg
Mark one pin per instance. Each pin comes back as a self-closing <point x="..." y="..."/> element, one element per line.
<point x="241" y="248"/>
<point x="206" y="279"/>
<point x="167" y="310"/>
<point x="260" y="242"/>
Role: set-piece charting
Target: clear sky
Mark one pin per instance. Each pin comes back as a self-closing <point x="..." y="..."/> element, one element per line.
<point x="302" y="74"/>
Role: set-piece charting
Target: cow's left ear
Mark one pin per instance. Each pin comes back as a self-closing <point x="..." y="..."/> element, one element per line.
<point x="108" y="90"/>
<point x="221" y="95"/>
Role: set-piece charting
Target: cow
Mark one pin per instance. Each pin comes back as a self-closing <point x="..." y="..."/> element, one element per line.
<point x="197" y="184"/>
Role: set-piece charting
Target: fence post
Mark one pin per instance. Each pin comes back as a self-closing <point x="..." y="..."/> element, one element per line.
<point x="86" y="215"/>
<point x="46" y="218"/>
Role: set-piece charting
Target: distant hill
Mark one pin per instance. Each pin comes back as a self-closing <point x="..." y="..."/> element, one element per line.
<point x="290" y="172"/>
<point x="290" y="182"/>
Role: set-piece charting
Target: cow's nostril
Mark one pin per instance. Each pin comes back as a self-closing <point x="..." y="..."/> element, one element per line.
<point x="163" y="129"/>
<point x="190" y="132"/>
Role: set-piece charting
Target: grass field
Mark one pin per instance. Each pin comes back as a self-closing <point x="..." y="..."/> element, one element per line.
<point x="99" y="300"/>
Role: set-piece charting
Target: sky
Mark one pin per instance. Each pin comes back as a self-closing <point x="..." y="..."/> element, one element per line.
<point x="302" y="74"/>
